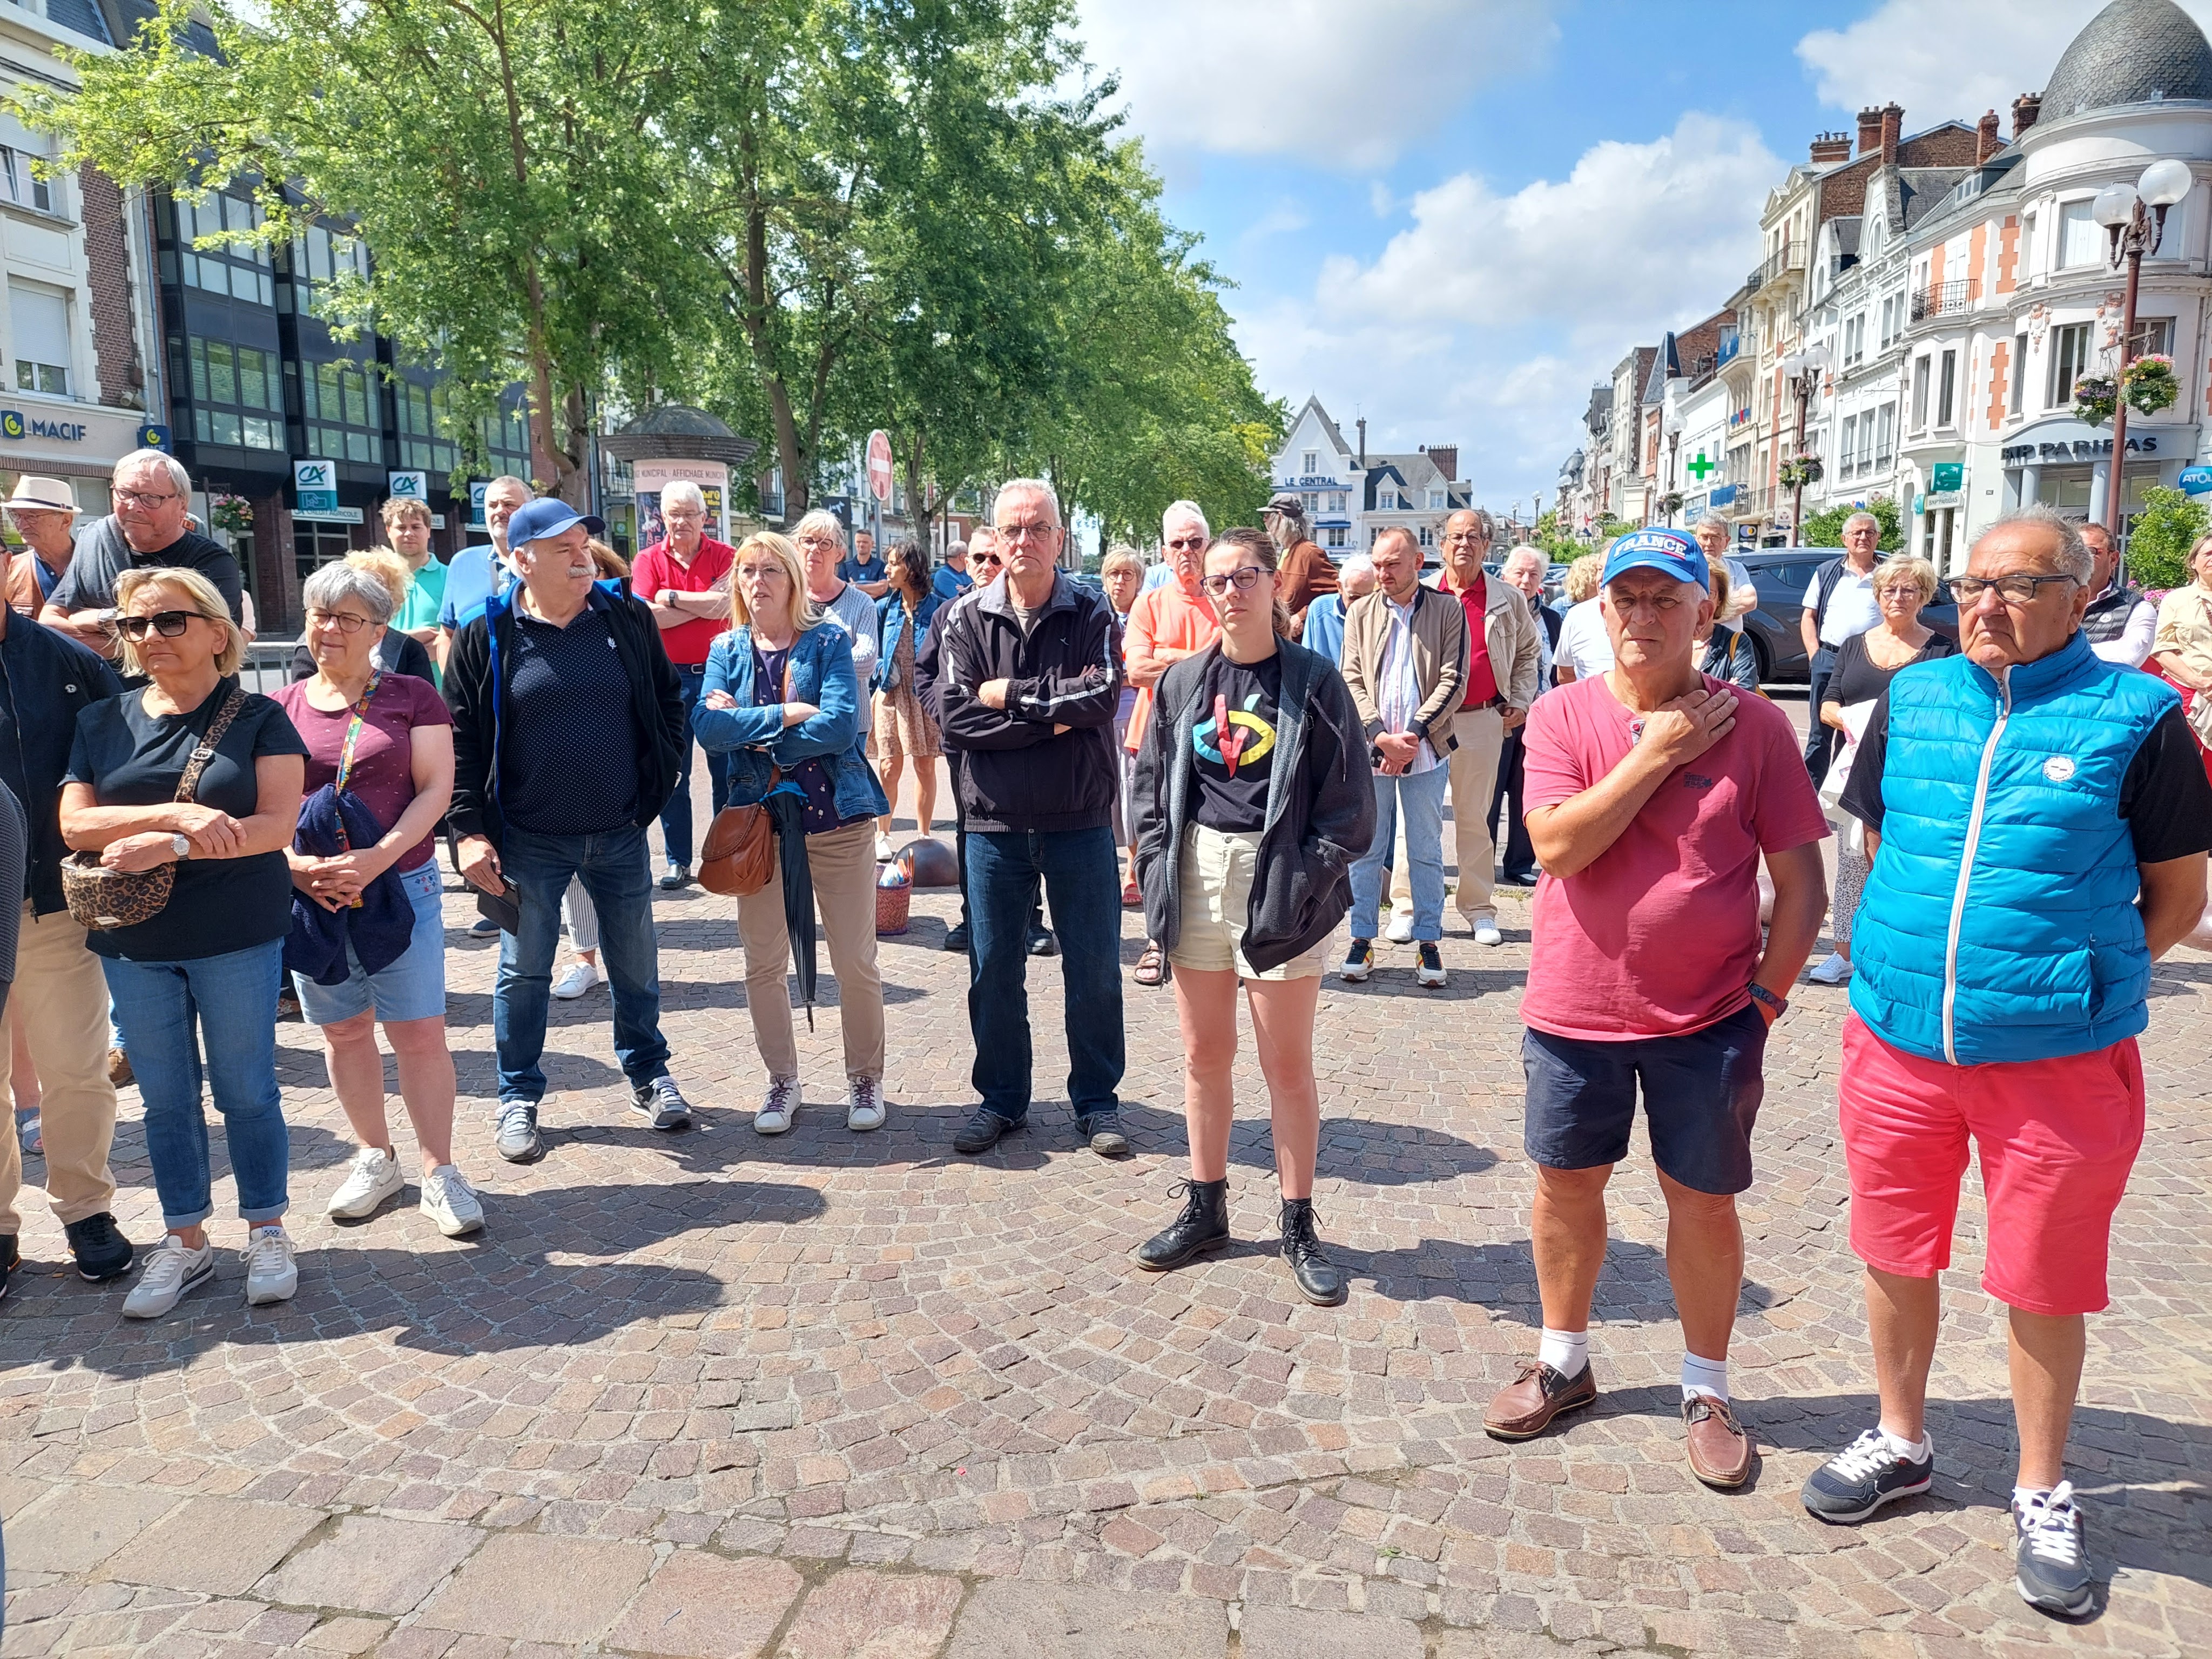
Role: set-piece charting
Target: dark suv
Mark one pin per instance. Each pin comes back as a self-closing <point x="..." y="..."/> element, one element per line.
<point x="1783" y="574"/>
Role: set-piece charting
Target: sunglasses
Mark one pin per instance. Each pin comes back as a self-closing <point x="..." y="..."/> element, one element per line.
<point x="167" y="623"/>
<point x="1186" y="544"/>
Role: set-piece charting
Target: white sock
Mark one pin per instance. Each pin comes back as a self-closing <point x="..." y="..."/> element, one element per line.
<point x="1704" y="1376"/>
<point x="2024" y="1497"/>
<point x="1918" y="1450"/>
<point x="1566" y="1351"/>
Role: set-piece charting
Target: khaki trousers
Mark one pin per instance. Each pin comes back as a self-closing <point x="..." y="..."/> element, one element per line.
<point x="60" y="999"/>
<point x="1480" y="733"/>
<point x="843" y="862"/>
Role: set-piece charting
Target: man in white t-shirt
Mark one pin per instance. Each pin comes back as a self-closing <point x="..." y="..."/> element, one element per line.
<point x="1839" y="606"/>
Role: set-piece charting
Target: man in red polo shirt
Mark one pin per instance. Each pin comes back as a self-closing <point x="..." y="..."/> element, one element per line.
<point x="676" y="579"/>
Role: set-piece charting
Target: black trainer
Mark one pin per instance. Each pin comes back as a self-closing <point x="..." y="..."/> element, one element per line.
<point x="1320" y="1280"/>
<point x="7" y="1260"/>
<point x="981" y="1133"/>
<point x="1042" y="944"/>
<point x="101" y="1252"/>
<point x="956" y="937"/>
<point x="1863" y="1477"/>
<point x="1202" y="1226"/>
<point x="2051" y="1561"/>
<point x="1103" y="1134"/>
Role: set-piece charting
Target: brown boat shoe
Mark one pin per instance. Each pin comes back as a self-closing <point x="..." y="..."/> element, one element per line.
<point x="1720" y="1447"/>
<point x="1524" y="1407"/>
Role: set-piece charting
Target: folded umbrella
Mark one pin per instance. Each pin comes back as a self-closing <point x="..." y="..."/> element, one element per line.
<point x="785" y="803"/>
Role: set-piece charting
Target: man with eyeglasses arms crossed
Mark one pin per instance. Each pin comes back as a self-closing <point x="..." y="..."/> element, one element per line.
<point x="150" y="525"/>
<point x="2039" y="845"/>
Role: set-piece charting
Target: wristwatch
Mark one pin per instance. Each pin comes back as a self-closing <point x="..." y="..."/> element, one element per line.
<point x="1760" y="993"/>
<point x="181" y="846"/>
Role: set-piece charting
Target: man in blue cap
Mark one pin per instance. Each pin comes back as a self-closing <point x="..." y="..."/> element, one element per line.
<point x="1653" y="791"/>
<point x="569" y="736"/>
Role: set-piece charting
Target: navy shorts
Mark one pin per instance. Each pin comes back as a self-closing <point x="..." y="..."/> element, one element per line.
<point x="1701" y="1095"/>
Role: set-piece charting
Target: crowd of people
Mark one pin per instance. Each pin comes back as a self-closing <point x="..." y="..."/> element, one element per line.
<point x="1248" y="742"/>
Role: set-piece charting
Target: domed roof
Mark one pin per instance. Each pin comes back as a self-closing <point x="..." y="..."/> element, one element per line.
<point x="676" y="432"/>
<point x="2133" y="52"/>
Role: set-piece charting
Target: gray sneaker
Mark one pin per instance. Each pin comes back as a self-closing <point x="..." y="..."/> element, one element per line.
<point x="170" y="1271"/>
<point x="516" y="1136"/>
<point x="1104" y="1134"/>
<point x="661" y="1103"/>
<point x="2051" y="1561"/>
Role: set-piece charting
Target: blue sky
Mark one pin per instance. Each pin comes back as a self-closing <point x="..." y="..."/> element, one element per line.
<point x="1454" y="216"/>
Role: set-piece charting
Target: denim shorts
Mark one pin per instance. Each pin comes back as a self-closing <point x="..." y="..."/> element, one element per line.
<point x="1701" y="1096"/>
<point x="413" y="988"/>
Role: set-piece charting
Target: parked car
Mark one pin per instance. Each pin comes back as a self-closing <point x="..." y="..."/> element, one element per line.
<point x="1785" y="575"/>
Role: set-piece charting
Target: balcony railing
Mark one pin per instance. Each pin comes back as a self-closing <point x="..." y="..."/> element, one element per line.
<point x="1784" y="260"/>
<point x="1945" y="298"/>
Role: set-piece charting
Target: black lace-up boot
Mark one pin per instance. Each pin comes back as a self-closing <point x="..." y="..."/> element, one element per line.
<point x="1320" y="1280"/>
<point x="1202" y="1226"/>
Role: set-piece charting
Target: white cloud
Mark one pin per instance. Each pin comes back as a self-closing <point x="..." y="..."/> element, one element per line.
<point x="1487" y="322"/>
<point x="1347" y="86"/>
<point x="1946" y="59"/>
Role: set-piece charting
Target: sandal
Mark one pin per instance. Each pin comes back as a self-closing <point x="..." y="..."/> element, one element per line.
<point x="1133" y="897"/>
<point x="1153" y="966"/>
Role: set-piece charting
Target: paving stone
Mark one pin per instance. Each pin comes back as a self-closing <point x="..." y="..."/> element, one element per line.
<point x="1014" y="1619"/>
<point x="1290" y="1633"/>
<point x="709" y="1607"/>
<point x="217" y="1546"/>
<point x="372" y="1564"/>
<point x="864" y="1614"/>
<point x="73" y="1528"/>
<point x="347" y="1637"/>
<point x="537" y="1587"/>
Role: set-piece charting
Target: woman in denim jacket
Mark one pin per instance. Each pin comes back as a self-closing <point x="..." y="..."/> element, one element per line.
<point x="779" y="696"/>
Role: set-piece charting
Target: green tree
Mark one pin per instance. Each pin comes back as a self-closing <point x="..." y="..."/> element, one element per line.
<point x="2164" y="531"/>
<point x="1826" y="528"/>
<point x="499" y="158"/>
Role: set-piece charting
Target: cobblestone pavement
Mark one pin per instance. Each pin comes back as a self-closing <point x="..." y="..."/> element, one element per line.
<point x="709" y="1394"/>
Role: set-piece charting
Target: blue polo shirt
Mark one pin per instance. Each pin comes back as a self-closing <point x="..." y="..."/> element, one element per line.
<point x="861" y="570"/>
<point x="469" y="583"/>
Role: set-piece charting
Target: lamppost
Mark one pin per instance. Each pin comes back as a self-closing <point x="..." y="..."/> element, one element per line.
<point x="2134" y="218"/>
<point x="1803" y="369"/>
<point x="1670" y="422"/>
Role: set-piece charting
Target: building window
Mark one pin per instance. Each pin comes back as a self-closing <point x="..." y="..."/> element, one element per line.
<point x="1436" y="501"/>
<point x="1312" y="463"/>
<point x="1426" y="540"/>
<point x="2081" y="240"/>
<point x="1920" y="377"/>
<point x="1947" y="392"/>
<point x="24" y="187"/>
<point x="1336" y="500"/>
<point x="1312" y="500"/>
<point x="1885" y="435"/>
<point x="2153" y="337"/>
<point x="340" y="404"/>
<point x="1847" y="449"/>
<point x="245" y="378"/>
<point x="241" y="268"/>
<point x="2019" y="371"/>
<point x="38" y="318"/>
<point x="319" y="257"/>
<point x="1889" y="307"/>
<point x="2070" y="360"/>
<point x="1336" y="535"/>
<point x="425" y="418"/>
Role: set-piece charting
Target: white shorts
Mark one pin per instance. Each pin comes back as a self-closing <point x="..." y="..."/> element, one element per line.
<point x="1215" y="893"/>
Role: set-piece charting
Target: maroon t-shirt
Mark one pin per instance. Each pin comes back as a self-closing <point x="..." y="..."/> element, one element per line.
<point x="383" y="757"/>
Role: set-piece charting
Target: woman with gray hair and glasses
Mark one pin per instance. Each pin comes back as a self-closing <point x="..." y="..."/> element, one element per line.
<point x="384" y="742"/>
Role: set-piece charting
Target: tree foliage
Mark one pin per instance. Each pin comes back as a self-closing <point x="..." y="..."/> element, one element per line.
<point x="2164" y="531"/>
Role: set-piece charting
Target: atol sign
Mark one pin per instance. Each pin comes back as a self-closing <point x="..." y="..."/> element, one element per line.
<point x="316" y="485"/>
<point x="2196" y="480"/>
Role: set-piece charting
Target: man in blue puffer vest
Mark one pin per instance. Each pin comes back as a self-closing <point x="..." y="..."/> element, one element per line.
<point x="2038" y="820"/>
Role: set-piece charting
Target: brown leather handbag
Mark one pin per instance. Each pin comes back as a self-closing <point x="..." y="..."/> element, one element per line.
<point x="738" y="858"/>
<point x="99" y="897"/>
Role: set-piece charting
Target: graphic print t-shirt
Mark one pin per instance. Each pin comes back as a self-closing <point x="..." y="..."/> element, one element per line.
<point x="1233" y="742"/>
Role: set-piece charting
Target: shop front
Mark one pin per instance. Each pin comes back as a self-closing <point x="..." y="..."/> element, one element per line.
<point x="81" y="443"/>
<point x="2067" y="465"/>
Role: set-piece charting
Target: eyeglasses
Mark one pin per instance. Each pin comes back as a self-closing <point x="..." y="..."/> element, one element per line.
<point x="139" y="498"/>
<point x="167" y="623"/>
<point x="1627" y="605"/>
<point x="1186" y="544"/>
<point x="1019" y="533"/>
<point x="2013" y="590"/>
<point x="345" y="621"/>
<point x="1467" y="537"/>
<point x="812" y="538"/>
<point x="1244" y="579"/>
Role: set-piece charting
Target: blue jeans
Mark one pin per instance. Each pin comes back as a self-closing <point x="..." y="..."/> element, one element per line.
<point x="614" y="871"/>
<point x="167" y="1011"/>
<point x="675" y="817"/>
<point x="1076" y="869"/>
<point x="1420" y="796"/>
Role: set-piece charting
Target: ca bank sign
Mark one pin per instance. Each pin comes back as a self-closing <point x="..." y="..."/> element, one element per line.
<point x="12" y="424"/>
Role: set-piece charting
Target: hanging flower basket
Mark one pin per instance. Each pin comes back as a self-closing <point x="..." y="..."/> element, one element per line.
<point x="1671" y="502"/>
<point x="2151" y="384"/>
<point x="2093" y="400"/>
<point x="231" y="513"/>
<point x="1800" y="471"/>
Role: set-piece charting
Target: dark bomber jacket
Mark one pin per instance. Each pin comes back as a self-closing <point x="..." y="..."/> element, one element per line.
<point x="50" y="678"/>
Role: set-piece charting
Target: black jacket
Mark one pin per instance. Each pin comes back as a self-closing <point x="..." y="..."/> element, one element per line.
<point x="49" y="679"/>
<point x="1016" y="774"/>
<point x="656" y="710"/>
<point x="1321" y="807"/>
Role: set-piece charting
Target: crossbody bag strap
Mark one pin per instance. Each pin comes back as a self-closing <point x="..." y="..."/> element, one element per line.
<point x="353" y="730"/>
<point x="189" y="783"/>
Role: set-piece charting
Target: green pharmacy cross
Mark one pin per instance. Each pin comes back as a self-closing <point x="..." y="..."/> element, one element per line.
<point x="1699" y="468"/>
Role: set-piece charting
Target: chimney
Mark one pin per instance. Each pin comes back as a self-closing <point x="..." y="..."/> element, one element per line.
<point x="1893" y="129"/>
<point x="2024" y="109"/>
<point x="1445" y="458"/>
<point x="1363" y="443"/>
<point x="1986" y="142"/>
<point x="1869" y="131"/>
<point x="1829" y="147"/>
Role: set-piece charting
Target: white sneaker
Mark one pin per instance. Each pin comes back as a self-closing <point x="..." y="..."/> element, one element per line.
<point x="271" y="1275"/>
<point x="170" y="1271"/>
<point x="1401" y="929"/>
<point x="373" y="1178"/>
<point x="451" y="1202"/>
<point x="1486" y="930"/>
<point x="885" y="851"/>
<point x="780" y="1108"/>
<point x="1833" y="970"/>
<point x="864" y="1104"/>
<point x="580" y="978"/>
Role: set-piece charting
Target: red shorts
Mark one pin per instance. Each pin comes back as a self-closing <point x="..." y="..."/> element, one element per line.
<point x="2057" y="1139"/>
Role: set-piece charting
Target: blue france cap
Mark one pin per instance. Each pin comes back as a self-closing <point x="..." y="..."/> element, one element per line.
<point x="534" y="521"/>
<point x="1649" y="549"/>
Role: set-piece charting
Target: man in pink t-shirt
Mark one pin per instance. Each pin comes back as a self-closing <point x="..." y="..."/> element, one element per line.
<point x="684" y="582"/>
<point x="1653" y="791"/>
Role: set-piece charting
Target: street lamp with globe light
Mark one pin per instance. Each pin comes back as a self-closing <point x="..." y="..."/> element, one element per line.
<point x="2134" y="218"/>
<point x="1803" y="370"/>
